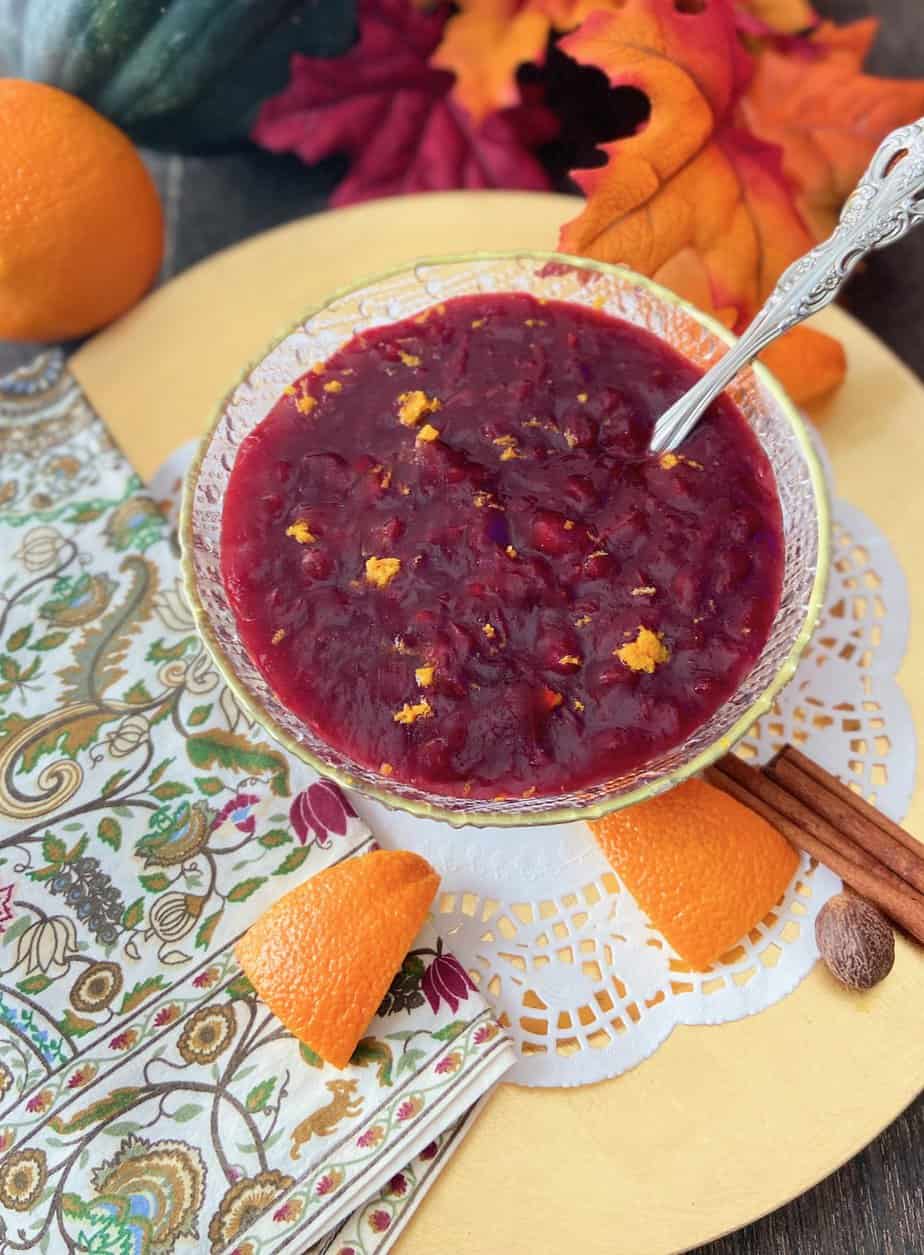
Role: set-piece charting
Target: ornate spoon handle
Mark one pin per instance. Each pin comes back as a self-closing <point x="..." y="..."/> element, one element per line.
<point x="886" y="203"/>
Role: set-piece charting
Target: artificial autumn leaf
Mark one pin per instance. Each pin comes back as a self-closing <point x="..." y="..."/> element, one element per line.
<point x="566" y="14"/>
<point x="488" y="40"/>
<point x="827" y="115"/>
<point x="483" y="46"/>
<point x="785" y="17"/>
<point x="809" y="363"/>
<point x="394" y="115"/>
<point x="692" y="198"/>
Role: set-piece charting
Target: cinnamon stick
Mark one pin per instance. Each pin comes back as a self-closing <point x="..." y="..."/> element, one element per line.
<point x="847" y="820"/>
<point x="795" y="810"/>
<point x="904" y="905"/>
<point x="858" y="804"/>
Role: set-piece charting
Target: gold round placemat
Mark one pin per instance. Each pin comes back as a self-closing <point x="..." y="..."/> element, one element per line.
<point x="723" y="1123"/>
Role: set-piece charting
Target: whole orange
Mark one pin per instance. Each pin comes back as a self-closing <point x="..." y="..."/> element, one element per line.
<point x="81" y="227"/>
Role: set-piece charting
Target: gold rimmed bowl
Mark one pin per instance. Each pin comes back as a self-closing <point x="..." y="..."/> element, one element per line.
<point x="401" y="294"/>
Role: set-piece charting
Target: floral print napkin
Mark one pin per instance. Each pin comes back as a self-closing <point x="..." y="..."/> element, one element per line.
<point x="149" y="1103"/>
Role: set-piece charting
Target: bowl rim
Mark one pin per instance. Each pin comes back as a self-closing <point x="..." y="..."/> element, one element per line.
<point x="554" y="814"/>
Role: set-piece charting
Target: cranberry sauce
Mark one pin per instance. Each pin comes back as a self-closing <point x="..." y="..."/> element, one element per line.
<point x="449" y="551"/>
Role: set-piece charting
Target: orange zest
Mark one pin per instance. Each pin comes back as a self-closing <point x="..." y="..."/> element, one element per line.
<point x="322" y="956"/>
<point x="415" y="405"/>
<point x="704" y="868"/>
<point x="646" y="652"/>
<point x="381" y="571"/>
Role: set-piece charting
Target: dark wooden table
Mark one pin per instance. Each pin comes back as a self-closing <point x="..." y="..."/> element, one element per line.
<point x="875" y="1204"/>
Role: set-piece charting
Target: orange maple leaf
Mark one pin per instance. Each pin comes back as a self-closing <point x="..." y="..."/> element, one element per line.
<point x="693" y="199"/>
<point x="566" y="14"/>
<point x="487" y="41"/>
<point x="484" y="44"/>
<point x="826" y="114"/>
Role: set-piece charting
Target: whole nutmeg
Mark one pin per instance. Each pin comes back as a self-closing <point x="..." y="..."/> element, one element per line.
<point x="855" y="940"/>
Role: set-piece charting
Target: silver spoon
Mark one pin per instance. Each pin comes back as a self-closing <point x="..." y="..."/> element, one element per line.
<point x="886" y="203"/>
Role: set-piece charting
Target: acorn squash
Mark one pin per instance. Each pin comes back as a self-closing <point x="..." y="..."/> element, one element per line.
<point x="185" y="74"/>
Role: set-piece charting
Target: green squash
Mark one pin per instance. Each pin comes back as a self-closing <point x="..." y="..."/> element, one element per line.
<point x="184" y="74"/>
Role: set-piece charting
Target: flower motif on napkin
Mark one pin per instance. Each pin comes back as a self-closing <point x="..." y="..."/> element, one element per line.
<point x="6" y="906"/>
<point x="170" y="605"/>
<point x="96" y="987"/>
<point x="157" y="1187"/>
<point x="320" y="810"/>
<point x="22" y="1179"/>
<point x="445" y="980"/>
<point x="46" y="946"/>
<point x="239" y="812"/>
<point x="40" y="548"/>
<point x="242" y="1202"/>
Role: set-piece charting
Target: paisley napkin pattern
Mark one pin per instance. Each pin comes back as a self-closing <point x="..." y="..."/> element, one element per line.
<point x="149" y="1103"/>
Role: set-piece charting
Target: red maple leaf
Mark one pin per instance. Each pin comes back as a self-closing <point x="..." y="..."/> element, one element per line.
<point x="392" y="113"/>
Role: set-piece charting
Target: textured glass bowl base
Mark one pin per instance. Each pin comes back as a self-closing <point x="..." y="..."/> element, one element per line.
<point x="622" y="293"/>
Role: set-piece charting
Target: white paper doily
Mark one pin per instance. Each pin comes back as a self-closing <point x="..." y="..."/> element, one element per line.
<point x="589" y="988"/>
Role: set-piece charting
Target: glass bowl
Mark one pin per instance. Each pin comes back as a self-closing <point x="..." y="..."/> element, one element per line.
<point x="400" y="294"/>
